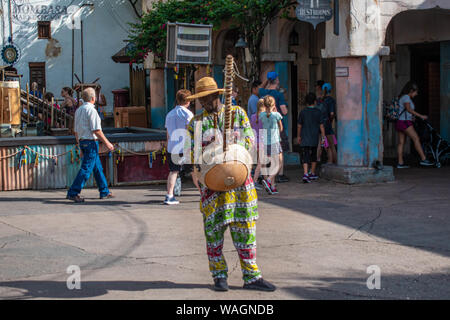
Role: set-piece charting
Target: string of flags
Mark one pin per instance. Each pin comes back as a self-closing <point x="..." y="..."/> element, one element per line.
<point x="76" y="156"/>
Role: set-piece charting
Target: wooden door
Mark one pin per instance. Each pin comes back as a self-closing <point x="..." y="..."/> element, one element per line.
<point x="37" y="74"/>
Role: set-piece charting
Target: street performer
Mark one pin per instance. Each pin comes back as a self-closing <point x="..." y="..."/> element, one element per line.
<point x="236" y="208"/>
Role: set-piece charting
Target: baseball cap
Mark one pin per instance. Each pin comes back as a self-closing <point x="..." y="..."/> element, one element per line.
<point x="327" y="86"/>
<point x="272" y="75"/>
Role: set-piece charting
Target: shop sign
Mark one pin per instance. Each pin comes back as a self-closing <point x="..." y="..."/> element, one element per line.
<point x="24" y="11"/>
<point x="314" y="11"/>
<point x="342" y="72"/>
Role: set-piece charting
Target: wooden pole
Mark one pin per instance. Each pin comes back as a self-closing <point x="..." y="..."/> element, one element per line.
<point x="52" y="115"/>
<point x="34" y="106"/>
<point x="44" y="109"/>
<point x="28" y="103"/>
<point x="10" y="21"/>
<point x="9" y="106"/>
<point x="73" y="48"/>
<point x="64" y="119"/>
<point x="82" y="52"/>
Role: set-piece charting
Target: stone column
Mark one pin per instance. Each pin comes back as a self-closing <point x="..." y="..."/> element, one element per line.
<point x="359" y="123"/>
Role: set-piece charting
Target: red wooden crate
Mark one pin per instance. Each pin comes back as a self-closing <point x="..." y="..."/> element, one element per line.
<point x="136" y="169"/>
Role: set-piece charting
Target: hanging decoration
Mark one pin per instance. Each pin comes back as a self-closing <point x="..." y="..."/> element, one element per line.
<point x="74" y="154"/>
<point x="10" y="54"/>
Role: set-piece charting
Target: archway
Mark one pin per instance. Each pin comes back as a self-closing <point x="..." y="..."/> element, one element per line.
<point x="419" y="42"/>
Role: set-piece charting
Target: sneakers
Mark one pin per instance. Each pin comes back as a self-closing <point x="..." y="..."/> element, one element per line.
<point x="426" y="163"/>
<point x="258" y="186"/>
<point x="260" y="285"/>
<point x="268" y="186"/>
<point x="108" y="196"/>
<point x="220" y="284"/>
<point x="76" y="198"/>
<point x="402" y="166"/>
<point x="273" y="189"/>
<point x="312" y="177"/>
<point x="306" y="179"/>
<point x="281" y="179"/>
<point x="170" y="200"/>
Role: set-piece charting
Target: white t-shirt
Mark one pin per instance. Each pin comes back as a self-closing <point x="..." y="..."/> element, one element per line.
<point x="176" y="123"/>
<point x="406" y="115"/>
<point x="86" y="121"/>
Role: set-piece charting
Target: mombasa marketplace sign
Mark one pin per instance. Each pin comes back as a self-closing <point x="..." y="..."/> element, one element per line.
<point x="314" y="11"/>
<point x="23" y="11"/>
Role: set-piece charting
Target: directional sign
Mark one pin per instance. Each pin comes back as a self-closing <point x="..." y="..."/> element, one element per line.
<point x="314" y="11"/>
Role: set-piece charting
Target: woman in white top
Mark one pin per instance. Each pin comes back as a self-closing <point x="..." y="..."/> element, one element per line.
<point x="405" y="125"/>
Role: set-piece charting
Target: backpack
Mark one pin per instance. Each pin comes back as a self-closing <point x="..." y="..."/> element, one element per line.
<point x="392" y="110"/>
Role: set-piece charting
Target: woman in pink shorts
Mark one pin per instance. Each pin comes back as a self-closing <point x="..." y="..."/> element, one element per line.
<point x="405" y="125"/>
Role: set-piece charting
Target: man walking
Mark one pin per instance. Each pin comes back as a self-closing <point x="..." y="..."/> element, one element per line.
<point x="88" y="131"/>
<point x="176" y="124"/>
<point x="236" y="208"/>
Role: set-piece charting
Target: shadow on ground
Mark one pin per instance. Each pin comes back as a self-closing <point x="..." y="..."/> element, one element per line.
<point x="90" y="289"/>
<point x="412" y="212"/>
<point x="424" y="286"/>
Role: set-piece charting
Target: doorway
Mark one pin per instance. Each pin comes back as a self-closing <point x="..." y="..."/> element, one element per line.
<point x="294" y="103"/>
<point x="425" y="71"/>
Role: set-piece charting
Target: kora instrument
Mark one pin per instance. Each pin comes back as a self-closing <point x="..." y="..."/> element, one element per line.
<point x="226" y="166"/>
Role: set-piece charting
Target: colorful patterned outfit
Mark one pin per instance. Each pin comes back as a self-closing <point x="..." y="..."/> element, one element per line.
<point x="236" y="208"/>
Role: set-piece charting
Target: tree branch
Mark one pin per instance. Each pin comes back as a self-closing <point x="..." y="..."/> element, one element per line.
<point x="133" y="4"/>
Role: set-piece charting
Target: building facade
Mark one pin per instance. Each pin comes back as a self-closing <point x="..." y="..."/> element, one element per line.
<point x="380" y="45"/>
<point x="52" y="48"/>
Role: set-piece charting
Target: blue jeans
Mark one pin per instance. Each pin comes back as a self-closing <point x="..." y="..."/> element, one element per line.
<point x="91" y="163"/>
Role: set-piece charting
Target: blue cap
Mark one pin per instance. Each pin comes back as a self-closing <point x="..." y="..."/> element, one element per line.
<point x="327" y="86"/>
<point x="272" y="75"/>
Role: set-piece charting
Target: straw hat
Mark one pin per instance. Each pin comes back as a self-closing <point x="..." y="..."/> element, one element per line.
<point x="204" y="87"/>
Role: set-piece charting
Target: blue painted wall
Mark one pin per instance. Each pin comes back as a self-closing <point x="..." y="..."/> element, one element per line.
<point x="170" y="89"/>
<point x="282" y="68"/>
<point x="371" y="105"/>
<point x="351" y="142"/>
<point x="218" y="75"/>
<point x="445" y="90"/>
<point x="360" y="140"/>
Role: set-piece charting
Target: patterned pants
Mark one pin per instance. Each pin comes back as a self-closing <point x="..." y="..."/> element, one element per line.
<point x="243" y="235"/>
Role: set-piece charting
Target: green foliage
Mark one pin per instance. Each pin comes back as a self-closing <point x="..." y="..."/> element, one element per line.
<point x="150" y="34"/>
<point x="250" y="16"/>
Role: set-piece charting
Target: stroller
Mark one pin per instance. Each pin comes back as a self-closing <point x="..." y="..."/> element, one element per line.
<point x="434" y="146"/>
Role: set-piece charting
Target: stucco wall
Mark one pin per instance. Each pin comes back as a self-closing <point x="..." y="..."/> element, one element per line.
<point x="420" y="26"/>
<point x="104" y="31"/>
<point x="363" y="24"/>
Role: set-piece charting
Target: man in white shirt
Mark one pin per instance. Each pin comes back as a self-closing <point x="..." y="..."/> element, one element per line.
<point x="176" y="123"/>
<point x="88" y="131"/>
